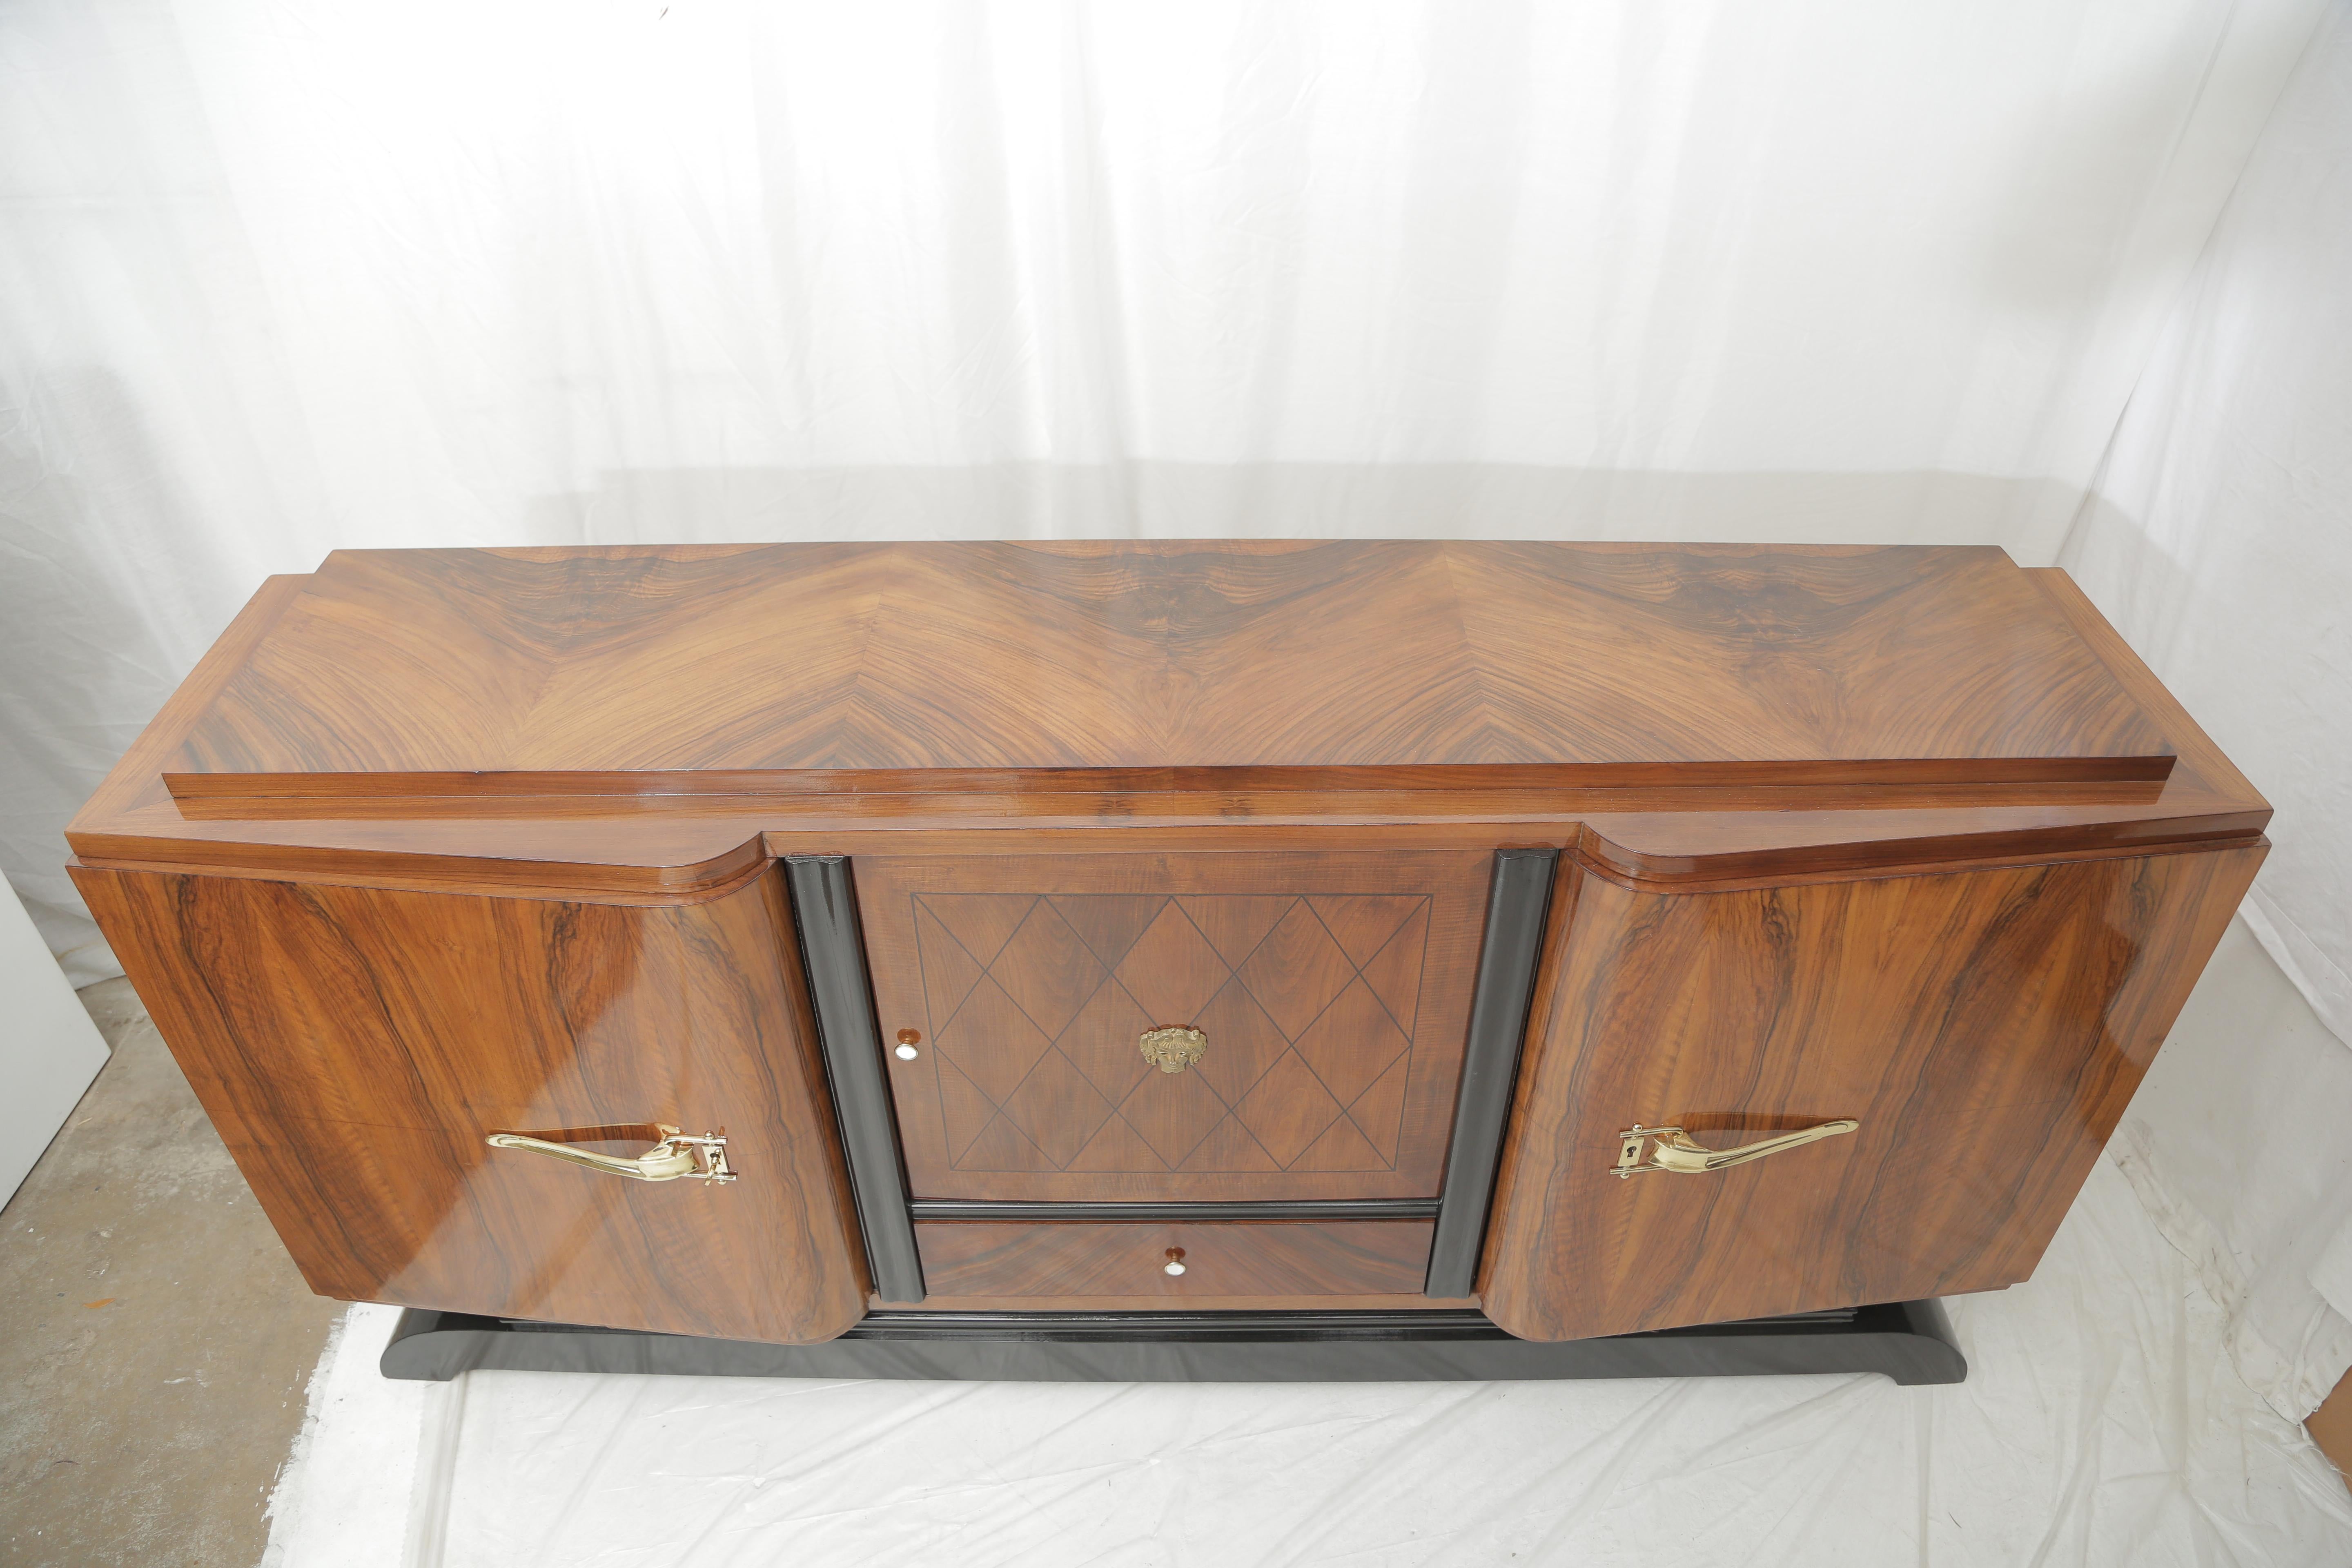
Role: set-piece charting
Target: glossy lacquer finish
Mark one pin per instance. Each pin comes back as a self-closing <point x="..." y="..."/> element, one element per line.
<point x="437" y="843"/>
<point x="1332" y="989"/>
<point x="983" y="657"/>
<point x="354" y="1048"/>
<point x="1985" y="1028"/>
<point x="1808" y="662"/>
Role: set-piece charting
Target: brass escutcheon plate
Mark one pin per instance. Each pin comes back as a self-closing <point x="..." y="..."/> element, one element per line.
<point x="1172" y="1047"/>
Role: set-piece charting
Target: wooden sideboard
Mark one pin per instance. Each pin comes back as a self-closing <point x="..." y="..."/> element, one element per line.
<point x="1116" y="928"/>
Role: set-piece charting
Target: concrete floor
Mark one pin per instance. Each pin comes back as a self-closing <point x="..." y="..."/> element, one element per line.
<point x="156" y="1340"/>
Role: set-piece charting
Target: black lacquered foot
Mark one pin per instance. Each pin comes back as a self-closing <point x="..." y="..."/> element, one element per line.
<point x="1909" y="1341"/>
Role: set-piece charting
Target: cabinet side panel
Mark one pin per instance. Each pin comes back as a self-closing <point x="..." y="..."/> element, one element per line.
<point x="355" y="1047"/>
<point x="1986" y="1029"/>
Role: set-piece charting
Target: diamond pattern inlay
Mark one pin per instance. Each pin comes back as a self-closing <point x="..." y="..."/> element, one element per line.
<point x="1173" y="1111"/>
<point x="1297" y="969"/>
<point x="1046" y="970"/>
<point x="1351" y="1042"/>
<point x="1058" y="1108"/>
<point x="1289" y="1109"/>
<point x="1036" y="1002"/>
<point x="981" y="921"/>
<point x="992" y="1040"/>
<point x="1171" y="971"/>
<point x="1101" y="1041"/>
<point x="1107" y="923"/>
<point x="949" y="971"/>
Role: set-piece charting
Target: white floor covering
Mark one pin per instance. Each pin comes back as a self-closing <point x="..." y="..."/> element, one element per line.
<point x="2101" y="1422"/>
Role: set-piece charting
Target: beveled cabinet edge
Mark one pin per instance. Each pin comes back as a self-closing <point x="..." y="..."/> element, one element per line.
<point x="717" y="876"/>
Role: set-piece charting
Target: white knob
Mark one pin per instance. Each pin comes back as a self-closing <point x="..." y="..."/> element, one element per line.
<point x="1175" y="1264"/>
<point x="906" y="1053"/>
<point x="1173" y="1267"/>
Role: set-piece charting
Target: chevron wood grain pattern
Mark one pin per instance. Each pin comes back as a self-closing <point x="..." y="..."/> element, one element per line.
<point x="682" y="668"/>
<point x="1334" y="988"/>
<point x="1256" y="1260"/>
<point x="567" y="837"/>
<point x="1985" y="1028"/>
<point x="355" y="1047"/>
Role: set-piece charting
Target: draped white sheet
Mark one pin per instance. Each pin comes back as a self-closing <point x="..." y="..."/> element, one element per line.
<point x="280" y="276"/>
<point x="2220" y="542"/>
<point x="2100" y="1427"/>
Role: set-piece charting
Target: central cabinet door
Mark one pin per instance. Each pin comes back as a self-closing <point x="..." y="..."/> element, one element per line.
<point x="1326" y="995"/>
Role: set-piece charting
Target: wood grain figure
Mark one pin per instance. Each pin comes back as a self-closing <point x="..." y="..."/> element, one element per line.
<point x="356" y="1047"/>
<point x="1986" y="1029"/>
<point x="434" y="844"/>
<point x="1285" y="1259"/>
<point x="1333" y="990"/>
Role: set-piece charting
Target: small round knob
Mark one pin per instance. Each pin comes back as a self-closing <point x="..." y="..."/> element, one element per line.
<point x="907" y="1040"/>
<point x="1175" y="1264"/>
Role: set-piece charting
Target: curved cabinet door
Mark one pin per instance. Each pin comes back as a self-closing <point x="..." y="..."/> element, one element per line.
<point x="1984" y="1029"/>
<point x="357" y="1046"/>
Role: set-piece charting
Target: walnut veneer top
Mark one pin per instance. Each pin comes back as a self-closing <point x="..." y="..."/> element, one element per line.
<point x="631" y="722"/>
<point x="1168" y="655"/>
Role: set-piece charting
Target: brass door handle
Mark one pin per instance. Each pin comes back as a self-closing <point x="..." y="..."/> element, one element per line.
<point x="1673" y="1149"/>
<point x="676" y="1154"/>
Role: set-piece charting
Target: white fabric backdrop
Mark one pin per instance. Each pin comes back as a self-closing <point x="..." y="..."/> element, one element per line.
<point x="2220" y="543"/>
<point x="277" y="277"/>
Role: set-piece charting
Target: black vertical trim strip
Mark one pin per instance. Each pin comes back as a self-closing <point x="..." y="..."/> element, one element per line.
<point x="825" y="909"/>
<point x="1516" y="909"/>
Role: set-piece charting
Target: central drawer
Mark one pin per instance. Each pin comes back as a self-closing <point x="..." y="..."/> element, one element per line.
<point x="1221" y="1258"/>
<point x="1322" y="1000"/>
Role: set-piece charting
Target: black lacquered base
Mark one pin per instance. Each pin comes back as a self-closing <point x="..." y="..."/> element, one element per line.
<point x="1909" y="1341"/>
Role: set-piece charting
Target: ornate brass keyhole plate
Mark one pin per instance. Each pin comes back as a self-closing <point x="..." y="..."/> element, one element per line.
<point x="1173" y="1047"/>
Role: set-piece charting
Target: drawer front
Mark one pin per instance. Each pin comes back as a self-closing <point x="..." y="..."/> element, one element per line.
<point x="1221" y="1259"/>
<point x="1331" y="993"/>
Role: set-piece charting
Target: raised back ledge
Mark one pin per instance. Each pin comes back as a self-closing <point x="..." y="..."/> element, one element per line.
<point x="259" y="794"/>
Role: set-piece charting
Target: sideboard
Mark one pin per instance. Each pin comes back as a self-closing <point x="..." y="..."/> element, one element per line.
<point x="765" y="944"/>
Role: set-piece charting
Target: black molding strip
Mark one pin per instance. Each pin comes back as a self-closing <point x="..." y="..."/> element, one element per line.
<point x="1909" y="1341"/>
<point x="1516" y="911"/>
<point x="824" y="907"/>
<point x="1176" y="1213"/>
